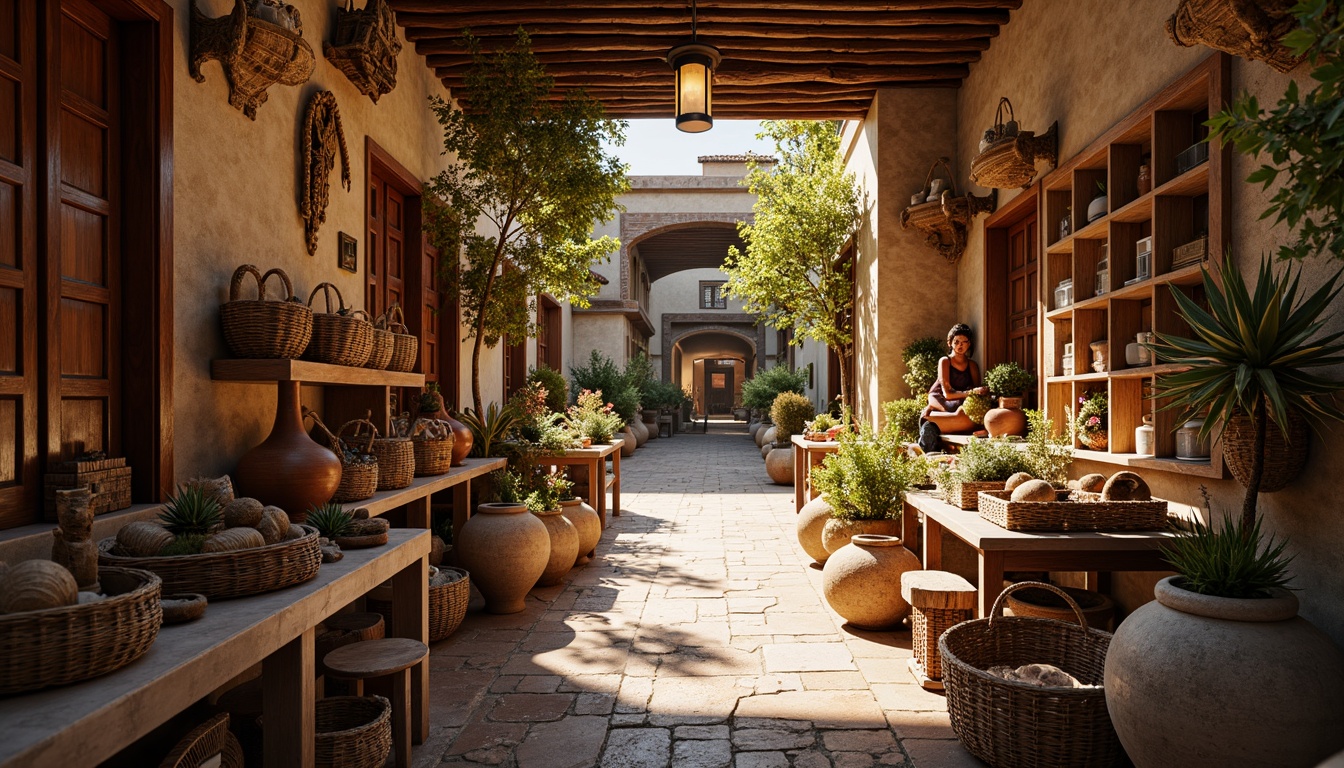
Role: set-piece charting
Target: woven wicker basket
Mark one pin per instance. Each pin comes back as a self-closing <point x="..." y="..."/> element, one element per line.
<point x="204" y="742"/>
<point x="1094" y="442"/>
<point x="220" y="575"/>
<point x="380" y="354"/>
<point x="77" y="642"/>
<point x="405" y="346"/>
<point x="359" y="480"/>
<point x="396" y="462"/>
<point x="1072" y="511"/>
<point x="257" y="328"/>
<point x="1284" y="460"/>
<point x="339" y="337"/>
<point x="965" y="495"/>
<point x="1010" y="724"/>
<point x="353" y="732"/>
<point x="449" y="593"/>
<point x="433" y="457"/>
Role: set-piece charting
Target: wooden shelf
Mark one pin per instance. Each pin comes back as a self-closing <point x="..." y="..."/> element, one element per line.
<point x="1195" y="468"/>
<point x="1192" y="183"/>
<point x="309" y="373"/>
<point x="1147" y="370"/>
<point x="421" y="487"/>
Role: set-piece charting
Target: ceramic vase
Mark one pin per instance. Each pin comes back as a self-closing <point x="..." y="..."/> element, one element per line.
<point x="837" y="532"/>
<point x="564" y="546"/>
<point x="862" y="580"/>
<point x="767" y="436"/>
<point x="462" y="440"/>
<point x="636" y="428"/>
<point x="651" y="424"/>
<point x="779" y="466"/>
<point x="811" y="520"/>
<point x="589" y="525"/>
<point x="1007" y="419"/>
<point x="1199" y="681"/>
<point x="288" y="470"/>
<point x="627" y="447"/>
<point x="505" y="550"/>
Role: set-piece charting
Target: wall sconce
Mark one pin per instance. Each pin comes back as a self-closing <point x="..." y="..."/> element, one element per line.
<point x="694" y="63"/>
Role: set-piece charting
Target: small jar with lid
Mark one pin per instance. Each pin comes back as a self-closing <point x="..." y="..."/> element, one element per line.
<point x="1144" y="437"/>
<point x="1188" y="445"/>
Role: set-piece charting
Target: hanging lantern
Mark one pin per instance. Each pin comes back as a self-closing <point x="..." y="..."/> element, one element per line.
<point x="694" y="63"/>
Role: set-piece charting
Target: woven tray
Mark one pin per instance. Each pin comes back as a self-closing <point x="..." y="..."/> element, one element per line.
<point x="1072" y="511"/>
<point x="964" y="495"/>
<point x="221" y="575"/>
<point x="77" y="642"/>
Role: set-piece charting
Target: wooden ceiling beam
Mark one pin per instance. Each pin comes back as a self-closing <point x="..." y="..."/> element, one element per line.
<point x="674" y="19"/>
<point x="444" y="42"/>
<point x="587" y="77"/>
<point x="596" y="7"/>
<point x="666" y="36"/>
<point x="647" y="57"/>
<point x="664" y="95"/>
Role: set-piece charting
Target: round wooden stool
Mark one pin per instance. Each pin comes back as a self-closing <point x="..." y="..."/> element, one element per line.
<point x="390" y="657"/>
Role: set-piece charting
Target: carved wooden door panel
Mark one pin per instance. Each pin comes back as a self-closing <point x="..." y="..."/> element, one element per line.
<point x="19" y="171"/>
<point x="1022" y="293"/>
<point x="385" y="246"/>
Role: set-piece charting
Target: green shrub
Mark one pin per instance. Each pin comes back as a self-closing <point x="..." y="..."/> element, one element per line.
<point x="601" y="373"/>
<point x="982" y="461"/>
<point x="760" y="391"/>
<point x="1228" y="561"/>
<point x="867" y="477"/>
<point x="790" y="412"/>
<point x="1008" y="380"/>
<point x="903" y="418"/>
<point x="639" y="375"/>
<point x="593" y="417"/>
<point x="921" y="358"/>
<point x="662" y="394"/>
<point x="557" y="389"/>
<point x="490" y="429"/>
<point x="976" y="406"/>
<point x="822" y="422"/>
<point x="1048" y="455"/>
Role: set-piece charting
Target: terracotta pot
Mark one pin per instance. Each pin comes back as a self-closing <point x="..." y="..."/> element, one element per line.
<point x="837" y="532"/>
<point x="628" y="447"/>
<point x="505" y="550"/>
<point x="288" y="470"/>
<point x="755" y="427"/>
<point x="462" y="440"/>
<point x="640" y="432"/>
<point x="766" y="436"/>
<point x="862" y="580"/>
<point x="1006" y="421"/>
<point x="589" y="525"/>
<point x="564" y="546"/>
<point x="779" y="466"/>
<point x="811" y="520"/>
<point x="651" y="424"/>
<point x="1010" y="402"/>
<point x="1195" y="680"/>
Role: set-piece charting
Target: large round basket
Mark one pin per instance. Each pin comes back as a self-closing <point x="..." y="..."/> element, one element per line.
<point x="257" y="328"/>
<point x="1010" y="724"/>
<point x="396" y="462"/>
<point x="339" y="337"/>
<point x="77" y="642"/>
<point x="1284" y="460"/>
<point x="380" y="354"/>
<point x="405" y="346"/>
<point x="1000" y="166"/>
<point x="449" y="593"/>
<point x="433" y="457"/>
<point x="353" y="732"/>
<point x="204" y="742"/>
<point x="1094" y="442"/>
<point x="220" y="575"/>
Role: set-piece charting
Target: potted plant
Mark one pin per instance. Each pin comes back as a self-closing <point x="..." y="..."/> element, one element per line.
<point x="1048" y="455"/>
<point x="903" y="418"/>
<point x="921" y="358"/>
<point x="1007" y="382"/>
<point x="503" y="548"/>
<point x="544" y="502"/>
<point x="865" y="482"/>
<point x="817" y="429"/>
<point x="1090" y="421"/>
<point x="790" y="413"/>
<point x="592" y="418"/>
<point x="1225" y="629"/>
<point x="982" y="465"/>
<point x="759" y="393"/>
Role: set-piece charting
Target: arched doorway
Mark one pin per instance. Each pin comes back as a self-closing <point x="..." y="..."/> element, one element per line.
<point x="711" y="364"/>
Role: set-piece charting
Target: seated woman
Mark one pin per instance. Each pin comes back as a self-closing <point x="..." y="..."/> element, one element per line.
<point x="958" y="376"/>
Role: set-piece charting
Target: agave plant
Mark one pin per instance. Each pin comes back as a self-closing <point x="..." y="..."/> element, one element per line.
<point x="192" y="511"/>
<point x="1250" y="357"/>
<point x="489" y="428"/>
<point x="330" y="519"/>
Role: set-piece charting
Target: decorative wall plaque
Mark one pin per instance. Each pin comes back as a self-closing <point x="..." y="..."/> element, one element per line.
<point x="255" y="53"/>
<point x="365" y="47"/>
<point x="322" y="137"/>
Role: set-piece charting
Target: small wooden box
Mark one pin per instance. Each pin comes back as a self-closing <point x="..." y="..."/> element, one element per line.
<point x="1192" y="252"/>
<point x="109" y="479"/>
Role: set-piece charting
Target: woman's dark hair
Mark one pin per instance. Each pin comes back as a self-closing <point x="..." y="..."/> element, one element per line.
<point x="960" y="329"/>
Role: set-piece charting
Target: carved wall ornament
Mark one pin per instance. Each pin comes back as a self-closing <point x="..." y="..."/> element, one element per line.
<point x="1008" y="156"/>
<point x="945" y="219"/>
<point x="322" y="136"/>
<point x="255" y="52"/>
<point x="365" y="47"/>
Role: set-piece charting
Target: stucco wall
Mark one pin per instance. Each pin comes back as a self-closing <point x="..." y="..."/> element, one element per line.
<point x="235" y="201"/>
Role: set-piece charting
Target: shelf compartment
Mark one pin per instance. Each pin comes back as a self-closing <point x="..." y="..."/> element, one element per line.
<point x="1128" y="318"/>
<point x="1149" y="370"/>
<point x="1127" y="410"/>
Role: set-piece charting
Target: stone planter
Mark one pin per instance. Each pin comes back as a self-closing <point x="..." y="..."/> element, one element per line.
<point x="651" y="424"/>
<point x="505" y="550"/>
<point x="564" y="546"/>
<point x="766" y="436"/>
<point x="766" y="449"/>
<point x="779" y="465"/>
<point x="628" y="447"/>
<point x="837" y="532"/>
<point x="755" y="427"/>
<point x="1194" y="680"/>
<point x="589" y="525"/>
<point x="811" y="520"/>
<point x="640" y="432"/>
<point x="862" y="581"/>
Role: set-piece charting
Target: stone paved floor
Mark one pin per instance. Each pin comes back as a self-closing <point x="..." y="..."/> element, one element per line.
<point x="697" y="638"/>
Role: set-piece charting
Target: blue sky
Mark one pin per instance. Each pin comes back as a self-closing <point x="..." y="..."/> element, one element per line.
<point x="656" y="147"/>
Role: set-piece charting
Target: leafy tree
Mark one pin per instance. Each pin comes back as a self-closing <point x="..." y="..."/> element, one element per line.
<point x="792" y="274"/>
<point x="533" y="172"/>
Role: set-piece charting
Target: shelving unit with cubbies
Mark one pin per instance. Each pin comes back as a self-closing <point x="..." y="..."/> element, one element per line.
<point x="1110" y="309"/>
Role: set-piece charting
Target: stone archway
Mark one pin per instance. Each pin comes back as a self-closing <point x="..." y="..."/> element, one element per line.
<point x="638" y="227"/>
<point x="683" y="326"/>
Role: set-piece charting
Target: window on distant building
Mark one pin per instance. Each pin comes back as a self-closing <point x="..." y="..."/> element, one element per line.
<point x="711" y="296"/>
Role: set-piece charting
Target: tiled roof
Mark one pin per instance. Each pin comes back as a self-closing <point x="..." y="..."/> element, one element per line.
<point x="735" y="158"/>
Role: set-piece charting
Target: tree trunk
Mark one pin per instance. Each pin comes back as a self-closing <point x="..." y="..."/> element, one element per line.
<point x="846" y="396"/>
<point x="1257" y="465"/>
<point x="476" y="376"/>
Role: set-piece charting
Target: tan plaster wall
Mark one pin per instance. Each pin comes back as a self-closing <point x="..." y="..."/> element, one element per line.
<point x="236" y="188"/>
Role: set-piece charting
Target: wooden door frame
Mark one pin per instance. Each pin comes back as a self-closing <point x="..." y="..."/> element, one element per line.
<point x="994" y="336"/>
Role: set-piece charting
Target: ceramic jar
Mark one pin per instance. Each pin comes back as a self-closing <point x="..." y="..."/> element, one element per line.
<point x="1007" y="419"/>
<point x="811" y="520"/>
<point x="1278" y="682"/>
<point x="1145" y="439"/>
<point x="589" y="525"/>
<point x="640" y="432"/>
<point x="505" y="550"/>
<point x="779" y="466"/>
<point x="862" y="581"/>
<point x="837" y="532"/>
<point x="1097" y="208"/>
<point x="564" y="546"/>
<point x="1188" y="444"/>
<point x="627" y="447"/>
<point x="767" y="436"/>
<point x="462" y="440"/>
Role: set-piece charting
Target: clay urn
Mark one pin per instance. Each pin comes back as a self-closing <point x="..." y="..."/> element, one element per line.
<point x="462" y="440"/>
<point x="811" y="520"/>
<point x="754" y="427"/>
<point x="564" y="546"/>
<point x="641" y="433"/>
<point x="838" y="531"/>
<point x="629" y="444"/>
<point x="505" y="549"/>
<point x="1007" y="419"/>
<point x="862" y="580"/>
<point x="1278" y="682"/>
<point x="589" y="525"/>
<point x="288" y="470"/>
<point x="767" y="436"/>
<point x="779" y="465"/>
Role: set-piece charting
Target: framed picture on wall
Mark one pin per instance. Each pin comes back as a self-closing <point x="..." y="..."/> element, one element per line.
<point x="348" y="255"/>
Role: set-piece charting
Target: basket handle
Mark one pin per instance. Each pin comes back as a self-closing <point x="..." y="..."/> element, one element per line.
<point x="284" y="280"/>
<point x="951" y="177"/>
<point x="1002" y="599"/>
<point x="357" y="312"/>
<point x="236" y="284"/>
<point x="999" y="122"/>
<point x="396" y="319"/>
<point x="373" y="432"/>
<point x="326" y="289"/>
<point x="335" y="443"/>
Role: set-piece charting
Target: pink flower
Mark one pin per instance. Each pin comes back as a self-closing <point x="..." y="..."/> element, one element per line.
<point x="1095" y="420"/>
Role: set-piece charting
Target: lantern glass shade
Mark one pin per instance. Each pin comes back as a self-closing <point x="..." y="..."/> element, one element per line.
<point x="694" y="65"/>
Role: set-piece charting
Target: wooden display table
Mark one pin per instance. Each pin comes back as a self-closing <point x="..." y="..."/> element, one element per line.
<point x="999" y="549"/>
<point x="806" y="455"/>
<point x="416" y="497"/>
<point x="595" y="459"/>
<point x="87" y="723"/>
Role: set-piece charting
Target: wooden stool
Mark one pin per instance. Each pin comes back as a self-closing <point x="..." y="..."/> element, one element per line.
<point x="938" y="600"/>
<point x="390" y="657"/>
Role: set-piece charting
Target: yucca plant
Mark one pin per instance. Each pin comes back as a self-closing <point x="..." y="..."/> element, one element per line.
<point x="330" y="519"/>
<point x="1249" y="357"/>
<point x="192" y="511"/>
<point x="489" y="428"/>
<point x="1229" y="560"/>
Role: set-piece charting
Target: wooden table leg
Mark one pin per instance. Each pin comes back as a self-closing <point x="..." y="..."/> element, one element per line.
<point x="991" y="581"/>
<point x="909" y="525"/>
<point x="799" y="475"/>
<point x="933" y="543"/>
<point x="616" y="486"/>
<point x="410" y="618"/>
<point x="418" y="513"/>
<point x="597" y="487"/>
<point x="461" y="507"/>
<point x="401" y="707"/>
<point x="288" y="696"/>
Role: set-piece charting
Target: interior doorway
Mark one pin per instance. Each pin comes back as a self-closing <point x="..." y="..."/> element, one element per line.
<point x="719" y="386"/>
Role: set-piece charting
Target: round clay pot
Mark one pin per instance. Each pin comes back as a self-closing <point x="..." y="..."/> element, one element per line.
<point x="811" y="520"/>
<point x="779" y="465"/>
<point x="766" y="449"/>
<point x="1098" y="609"/>
<point x="589" y="525"/>
<point x="505" y="550"/>
<point x="837" y="532"/>
<point x="462" y="440"/>
<point x="862" y="580"/>
<point x="564" y="546"/>
<point x="627" y="447"/>
<point x="767" y="436"/>
<point x="755" y="427"/>
<point x="1278" y="682"/>
<point x="651" y="424"/>
<point x="1006" y="421"/>
<point x="640" y="432"/>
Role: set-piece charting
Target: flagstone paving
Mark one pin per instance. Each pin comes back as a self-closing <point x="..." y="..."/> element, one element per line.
<point x="697" y="638"/>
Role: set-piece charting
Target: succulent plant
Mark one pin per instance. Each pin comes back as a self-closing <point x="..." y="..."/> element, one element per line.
<point x="192" y="511"/>
<point x="330" y="519"/>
